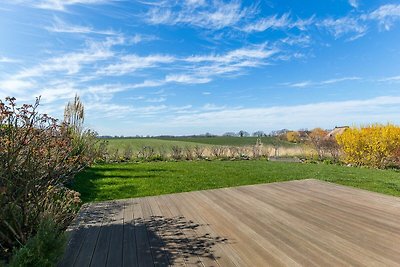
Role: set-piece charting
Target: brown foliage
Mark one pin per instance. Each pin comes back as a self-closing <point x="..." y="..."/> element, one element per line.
<point x="37" y="157"/>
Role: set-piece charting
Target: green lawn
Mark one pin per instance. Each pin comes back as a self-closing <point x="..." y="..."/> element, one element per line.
<point x="117" y="181"/>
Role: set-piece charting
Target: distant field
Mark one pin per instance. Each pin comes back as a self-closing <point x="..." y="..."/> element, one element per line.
<point x="116" y="181"/>
<point x="230" y="141"/>
<point x="167" y="143"/>
<point x="138" y="143"/>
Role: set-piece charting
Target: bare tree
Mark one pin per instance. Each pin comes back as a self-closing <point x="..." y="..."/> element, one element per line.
<point x="243" y="133"/>
<point x="231" y="134"/>
<point x="259" y="134"/>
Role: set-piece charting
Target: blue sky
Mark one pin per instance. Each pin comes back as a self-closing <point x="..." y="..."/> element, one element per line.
<point x="189" y="67"/>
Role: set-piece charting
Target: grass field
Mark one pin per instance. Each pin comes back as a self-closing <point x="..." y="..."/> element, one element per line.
<point x="167" y="143"/>
<point x="117" y="181"/>
<point x="137" y="143"/>
<point x="230" y="141"/>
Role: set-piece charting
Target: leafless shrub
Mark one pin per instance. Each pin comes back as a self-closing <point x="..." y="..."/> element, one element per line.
<point x="199" y="151"/>
<point x="163" y="153"/>
<point x="146" y="152"/>
<point x="189" y="154"/>
<point x="218" y="151"/>
<point x="234" y="151"/>
<point x="102" y="151"/>
<point x="244" y="153"/>
<point x="256" y="152"/>
<point x="176" y="152"/>
<point x="257" y="149"/>
<point x="128" y="153"/>
<point x="114" y="155"/>
<point x="331" y="147"/>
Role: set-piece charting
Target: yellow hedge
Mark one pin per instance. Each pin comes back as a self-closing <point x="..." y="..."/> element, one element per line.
<point x="372" y="145"/>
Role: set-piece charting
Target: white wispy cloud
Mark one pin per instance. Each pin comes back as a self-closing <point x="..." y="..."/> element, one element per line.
<point x="212" y="107"/>
<point x="354" y="3"/>
<point x="156" y="100"/>
<point x="138" y="38"/>
<point x="98" y="110"/>
<point x="274" y="22"/>
<point x="300" y="84"/>
<point x="336" y="80"/>
<point x="58" y="78"/>
<point x="61" y="5"/>
<point x="345" y="26"/>
<point x="302" y="24"/>
<point x="197" y="69"/>
<point x="210" y="15"/>
<point x="237" y="55"/>
<point x="187" y="79"/>
<point x="355" y="26"/>
<point x="195" y="2"/>
<point x="386" y="15"/>
<point x="110" y="89"/>
<point x="303" y="84"/>
<point x="63" y="91"/>
<point x="131" y="63"/>
<point x="8" y="60"/>
<point x="390" y="79"/>
<point x="60" y="26"/>
<point x="216" y="15"/>
<point x="15" y="85"/>
<point x="302" y="40"/>
<point x="72" y="63"/>
<point x="233" y="62"/>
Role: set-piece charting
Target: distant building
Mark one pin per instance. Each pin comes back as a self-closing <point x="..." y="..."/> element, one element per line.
<point x="337" y="130"/>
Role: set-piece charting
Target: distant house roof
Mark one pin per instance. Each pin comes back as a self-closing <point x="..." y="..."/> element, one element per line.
<point x="336" y="131"/>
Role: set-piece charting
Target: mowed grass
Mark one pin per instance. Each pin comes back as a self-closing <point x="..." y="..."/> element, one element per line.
<point x="128" y="180"/>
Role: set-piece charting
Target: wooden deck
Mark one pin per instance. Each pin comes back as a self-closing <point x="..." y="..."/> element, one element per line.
<point x="307" y="222"/>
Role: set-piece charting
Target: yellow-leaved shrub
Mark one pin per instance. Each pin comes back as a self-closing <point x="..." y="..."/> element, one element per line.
<point x="374" y="145"/>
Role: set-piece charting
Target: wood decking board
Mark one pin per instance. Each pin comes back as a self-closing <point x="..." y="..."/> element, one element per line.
<point x="129" y="252"/>
<point x="191" y="259"/>
<point x="142" y="240"/>
<point x="296" y="223"/>
<point x="78" y="234"/>
<point x="87" y="249"/>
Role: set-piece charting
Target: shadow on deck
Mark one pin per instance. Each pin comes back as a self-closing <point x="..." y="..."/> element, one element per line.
<point x="103" y="237"/>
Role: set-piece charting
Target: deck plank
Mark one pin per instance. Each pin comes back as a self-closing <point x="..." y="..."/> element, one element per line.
<point x="129" y="252"/>
<point x="77" y="234"/>
<point x="116" y="225"/>
<point x="145" y="258"/>
<point x="97" y="213"/>
<point x="295" y="223"/>
<point x="155" y="234"/>
<point x="176" y="256"/>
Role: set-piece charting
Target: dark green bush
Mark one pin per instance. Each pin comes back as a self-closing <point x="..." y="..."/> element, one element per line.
<point x="44" y="249"/>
